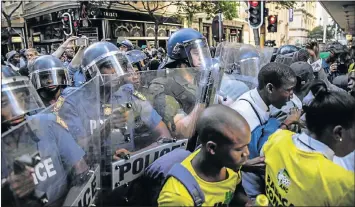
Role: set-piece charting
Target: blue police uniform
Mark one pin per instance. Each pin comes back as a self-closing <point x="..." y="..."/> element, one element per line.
<point x="58" y="151"/>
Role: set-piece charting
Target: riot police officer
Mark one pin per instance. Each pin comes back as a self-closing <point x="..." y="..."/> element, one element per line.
<point x="50" y="78"/>
<point x="39" y="155"/>
<point x="125" y="45"/>
<point x="103" y="65"/>
<point x="188" y="49"/>
<point x="136" y="58"/>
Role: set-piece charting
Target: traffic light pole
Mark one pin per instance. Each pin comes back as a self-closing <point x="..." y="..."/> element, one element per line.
<point x="256" y="36"/>
<point x="262" y="35"/>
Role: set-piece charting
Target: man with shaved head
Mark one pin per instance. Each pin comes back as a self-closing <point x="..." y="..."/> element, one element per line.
<point x="224" y="135"/>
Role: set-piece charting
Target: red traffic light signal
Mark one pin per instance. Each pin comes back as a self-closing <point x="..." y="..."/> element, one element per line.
<point x="254" y="3"/>
<point x="272" y="20"/>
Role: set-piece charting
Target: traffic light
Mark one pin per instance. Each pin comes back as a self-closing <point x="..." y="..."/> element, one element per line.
<point x="272" y="21"/>
<point x="67" y="24"/>
<point x="255" y="14"/>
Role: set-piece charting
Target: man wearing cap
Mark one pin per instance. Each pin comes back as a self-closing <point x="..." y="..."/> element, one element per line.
<point x="13" y="60"/>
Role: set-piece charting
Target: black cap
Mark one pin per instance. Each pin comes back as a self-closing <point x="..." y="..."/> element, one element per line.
<point x="303" y="70"/>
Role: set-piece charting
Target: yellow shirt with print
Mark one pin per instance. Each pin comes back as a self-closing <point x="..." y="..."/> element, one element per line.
<point x="297" y="178"/>
<point x="216" y="193"/>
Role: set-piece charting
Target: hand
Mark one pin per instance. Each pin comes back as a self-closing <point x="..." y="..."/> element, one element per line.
<point x="72" y="38"/>
<point x="333" y="67"/>
<point x="294" y="116"/>
<point x="119" y="118"/>
<point x="256" y="164"/>
<point x="249" y="203"/>
<point x="120" y="153"/>
<point x="22" y="184"/>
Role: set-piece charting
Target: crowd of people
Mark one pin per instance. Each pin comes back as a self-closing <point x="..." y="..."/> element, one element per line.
<point x="289" y="134"/>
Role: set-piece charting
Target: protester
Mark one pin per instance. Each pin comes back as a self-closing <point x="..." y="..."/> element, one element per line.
<point x="154" y="62"/>
<point x="276" y="84"/>
<point x="13" y="60"/>
<point x="292" y="160"/>
<point x="305" y="77"/>
<point x="224" y="136"/>
<point x="67" y="48"/>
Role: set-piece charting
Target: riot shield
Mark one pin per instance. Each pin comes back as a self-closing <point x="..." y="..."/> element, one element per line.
<point x="242" y="62"/>
<point x="231" y="89"/>
<point x="78" y="110"/>
<point x="44" y="165"/>
<point x="160" y="109"/>
<point x="284" y="59"/>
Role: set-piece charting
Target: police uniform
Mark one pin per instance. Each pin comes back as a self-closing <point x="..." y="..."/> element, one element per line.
<point x="58" y="151"/>
<point x="174" y="94"/>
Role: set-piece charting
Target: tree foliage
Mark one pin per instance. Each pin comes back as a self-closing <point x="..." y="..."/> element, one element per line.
<point x="286" y="4"/>
<point x="190" y="8"/>
<point x="8" y="20"/>
<point x="317" y="32"/>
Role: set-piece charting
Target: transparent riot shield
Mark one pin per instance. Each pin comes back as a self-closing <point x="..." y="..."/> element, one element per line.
<point x="284" y="59"/>
<point x="43" y="165"/>
<point x="242" y="62"/>
<point x="151" y="113"/>
<point x="78" y="110"/>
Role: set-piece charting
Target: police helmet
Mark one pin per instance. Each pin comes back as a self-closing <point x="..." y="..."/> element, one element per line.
<point x="18" y="97"/>
<point x="128" y="44"/>
<point x="103" y="58"/>
<point x="248" y="60"/>
<point x="48" y="72"/>
<point x="135" y="57"/>
<point x="188" y="46"/>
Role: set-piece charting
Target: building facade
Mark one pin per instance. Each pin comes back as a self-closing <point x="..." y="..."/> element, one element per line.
<point x="97" y="22"/>
<point x="304" y="20"/>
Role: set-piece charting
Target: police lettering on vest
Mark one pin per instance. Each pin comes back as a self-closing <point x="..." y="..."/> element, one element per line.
<point x="124" y="171"/>
<point x="43" y="170"/>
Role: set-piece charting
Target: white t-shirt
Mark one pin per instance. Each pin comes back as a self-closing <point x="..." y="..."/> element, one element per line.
<point x="245" y="109"/>
<point x="347" y="162"/>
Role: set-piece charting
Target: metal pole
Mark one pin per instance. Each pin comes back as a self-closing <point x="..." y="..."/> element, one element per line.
<point x="262" y="35"/>
<point x="256" y="37"/>
<point x="324" y="32"/>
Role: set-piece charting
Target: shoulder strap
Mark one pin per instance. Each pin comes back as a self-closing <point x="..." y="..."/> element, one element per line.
<point x="184" y="176"/>
<point x="261" y="123"/>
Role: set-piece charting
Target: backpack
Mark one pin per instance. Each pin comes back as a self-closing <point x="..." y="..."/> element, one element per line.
<point x="169" y="165"/>
<point x="261" y="133"/>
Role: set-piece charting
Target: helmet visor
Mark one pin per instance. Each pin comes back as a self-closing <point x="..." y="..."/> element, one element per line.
<point x="50" y="78"/>
<point x="19" y="98"/>
<point x="112" y="63"/>
<point x="198" y="53"/>
<point x="135" y="56"/>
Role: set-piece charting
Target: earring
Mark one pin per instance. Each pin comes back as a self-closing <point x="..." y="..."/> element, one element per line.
<point x="341" y="139"/>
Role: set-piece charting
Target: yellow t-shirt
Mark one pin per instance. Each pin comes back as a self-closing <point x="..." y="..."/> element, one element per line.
<point x="216" y="193"/>
<point x="299" y="178"/>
